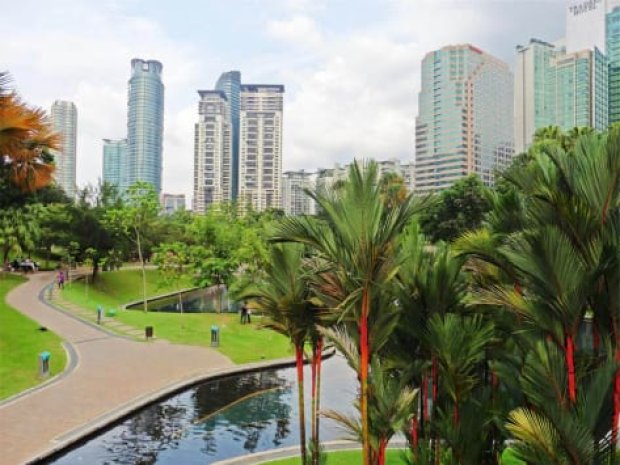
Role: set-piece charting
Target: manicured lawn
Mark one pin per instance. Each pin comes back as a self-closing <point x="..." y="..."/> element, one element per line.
<point x="241" y="343"/>
<point x="20" y="343"/>
<point x="509" y="458"/>
<point x="347" y="457"/>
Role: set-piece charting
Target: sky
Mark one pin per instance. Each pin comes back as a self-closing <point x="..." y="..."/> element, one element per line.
<point x="351" y="68"/>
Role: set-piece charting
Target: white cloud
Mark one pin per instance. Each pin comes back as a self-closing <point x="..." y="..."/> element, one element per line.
<point x="298" y="30"/>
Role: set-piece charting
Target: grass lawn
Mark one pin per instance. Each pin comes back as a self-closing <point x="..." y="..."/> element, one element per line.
<point x="346" y="457"/>
<point x="241" y="343"/>
<point x="20" y="343"/>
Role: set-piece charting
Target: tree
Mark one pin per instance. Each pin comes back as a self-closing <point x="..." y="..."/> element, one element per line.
<point x="19" y="230"/>
<point x="283" y="296"/>
<point x="458" y="209"/>
<point x="173" y="260"/>
<point x="356" y="238"/>
<point x="26" y="142"/>
<point x="134" y="220"/>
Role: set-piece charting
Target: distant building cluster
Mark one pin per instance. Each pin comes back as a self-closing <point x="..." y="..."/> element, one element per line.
<point x="474" y="115"/>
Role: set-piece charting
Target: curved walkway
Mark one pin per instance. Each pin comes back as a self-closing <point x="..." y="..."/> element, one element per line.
<point x="112" y="376"/>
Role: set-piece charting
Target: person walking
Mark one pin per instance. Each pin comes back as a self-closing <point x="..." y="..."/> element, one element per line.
<point x="244" y="313"/>
<point x="61" y="279"/>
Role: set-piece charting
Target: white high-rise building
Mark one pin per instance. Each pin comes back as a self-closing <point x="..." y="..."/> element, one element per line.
<point x="585" y="24"/>
<point x="64" y="122"/>
<point x="295" y="201"/>
<point x="465" y="117"/>
<point x="212" y="151"/>
<point x="260" y="146"/>
<point x="171" y="203"/>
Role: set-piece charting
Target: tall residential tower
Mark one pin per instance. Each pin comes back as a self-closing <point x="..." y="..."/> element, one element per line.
<point x="115" y="162"/>
<point x="465" y="119"/>
<point x="145" y="123"/>
<point x="212" y="151"/>
<point x="260" y="146"/>
<point x="64" y="122"/>
<point x="230" y="84"/>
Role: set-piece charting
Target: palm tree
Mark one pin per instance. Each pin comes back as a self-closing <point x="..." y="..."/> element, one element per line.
<point x="26" y="141"/>
<point x="283" y="296"/>
<point x="356" y="237"/>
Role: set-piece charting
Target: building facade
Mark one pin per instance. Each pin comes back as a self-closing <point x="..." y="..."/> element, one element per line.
<point x="230" y="83"/>
<point x="260" y="146"/>
<point x="295" y="201"/>
<point x="555" y="88"/>
<point x="212" y="151"/>
<point x="63" y="117"/>
<point x="465" y="119"/>
<point x="613" y="57"/>
<point x="171" y="203"/>
<point x="145" y="123"/>
<point x="115" y="162"/>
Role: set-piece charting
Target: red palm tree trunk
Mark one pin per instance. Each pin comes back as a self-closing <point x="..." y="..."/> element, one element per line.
<point x="364" y="376"/>
<point x="570" y="366"/>
<point x="382" y="447"/>
<point x="299" y="362"/>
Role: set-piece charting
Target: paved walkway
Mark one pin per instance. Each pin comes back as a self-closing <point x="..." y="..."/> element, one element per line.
<point x="112" y="374"/>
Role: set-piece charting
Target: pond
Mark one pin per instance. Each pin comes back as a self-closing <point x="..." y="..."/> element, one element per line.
<point x="219" y="419"/>
<point x="211" y="299"/>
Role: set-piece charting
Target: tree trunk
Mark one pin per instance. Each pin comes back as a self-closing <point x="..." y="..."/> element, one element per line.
<point x="570" y="366"/>
<point x="435" y="381"/>
<point x="95" y="269"/>
<point x="317" y="416"/>
<point x="180" y="301"/>
<point x="382" y="447"/>
<point x="415" y="439"/>
<point x="425" y="414"/>
<point x="299" y="362"/>
<point x="364" y="356"/>
<point x="313" y="403"/>
<point x="143" y="269"/>
<point x="616" y="415"/>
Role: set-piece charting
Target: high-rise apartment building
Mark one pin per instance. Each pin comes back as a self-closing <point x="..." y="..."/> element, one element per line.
<point x="64" y="121"/>
<point x="260" y="146"/>
<point x="555" y="88"/>
<point x="115" y="162"/>
<point x="230" y="83"/>
<point x="212" y="151"/>
<point x="295" y="201"/>
<point x="465" y="119"/>
<point x="145" y="123"/>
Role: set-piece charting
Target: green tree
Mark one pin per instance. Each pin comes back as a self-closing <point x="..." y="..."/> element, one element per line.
<point x="173" y="261"/>
<point x="135" y="219"/>
<point x="19" y="230"/>
<point x="458" y="209"/>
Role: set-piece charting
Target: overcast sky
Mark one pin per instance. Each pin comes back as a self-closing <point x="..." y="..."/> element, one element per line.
<point x="351" y="68"/>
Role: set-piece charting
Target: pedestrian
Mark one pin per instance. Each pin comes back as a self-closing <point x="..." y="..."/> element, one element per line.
<point x="249" y="315"/>
<point x="61" y="279"/>
<point x="244" y="313"/>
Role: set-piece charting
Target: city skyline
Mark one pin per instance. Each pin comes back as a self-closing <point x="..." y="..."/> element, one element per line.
<point x="334" y="62"/>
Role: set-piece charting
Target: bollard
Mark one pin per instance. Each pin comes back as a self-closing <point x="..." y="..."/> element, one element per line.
<point x="99" y="314"/>
<point x="148" y="332"/>
<point x="44" y="364"/>
<point x="215" y="336"/>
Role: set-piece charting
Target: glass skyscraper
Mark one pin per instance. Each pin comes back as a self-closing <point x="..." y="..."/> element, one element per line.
<point x="465" y="117"/>
<point x="145" y="123"/>
<point x="115" y="162"/>
<point x="613" y="55"/>
<point x="64" y="121"/>
<point x="230" y="84"/>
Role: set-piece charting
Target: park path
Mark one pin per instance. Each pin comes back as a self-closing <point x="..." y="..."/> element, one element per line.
<point x="112" y="375"/>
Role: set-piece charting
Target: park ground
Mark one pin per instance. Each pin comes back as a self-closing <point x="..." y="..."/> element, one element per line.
<point x="113" y="290"/>
<point x="21" y="342"/>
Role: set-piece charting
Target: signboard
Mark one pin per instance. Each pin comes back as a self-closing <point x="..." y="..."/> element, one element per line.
<point x="585" y="25"/>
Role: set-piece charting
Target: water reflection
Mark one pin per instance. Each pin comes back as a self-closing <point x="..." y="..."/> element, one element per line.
<point x="217" y="420"/>
<point x="212" y="299"/>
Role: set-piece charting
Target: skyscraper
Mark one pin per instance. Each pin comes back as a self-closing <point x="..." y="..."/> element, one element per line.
<point x="260" y="146"/>
<point x="230" y="84"/>
<point x="145" y="123"/>
<point x="465" y="119"/>
<point x="212" y="151"/>
<point x="295" y="201"/>
<point x="613" y="56"/>
<point x="171" y="203"/>
<point x="555" y="88"/>
<point x="115" y="162"/>
<point x="64" y="122"/>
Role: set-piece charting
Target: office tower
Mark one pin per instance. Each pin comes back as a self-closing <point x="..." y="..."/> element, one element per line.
<point x="585" y="24"/>
<point x="212" y="151"/>
<point x="171" y="203"/>
<point x="260" y="146"/>
<point x="145" y="123"/>
<point x="555" y="88"/>
<point x="230" y="84"/>
<point x="408" y="175"/>
<point x="465" y="119"/>
<point x="64" y="121"/>
<point x="295" y="201"/>
<point x="115" y="162"/>
<point x="613" y="57"/>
